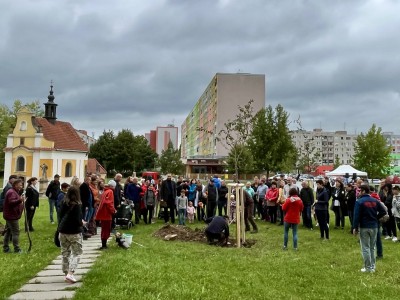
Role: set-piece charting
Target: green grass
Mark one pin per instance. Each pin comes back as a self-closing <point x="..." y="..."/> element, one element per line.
<point x="17" y="269"/>
<point x="190" y="270"/>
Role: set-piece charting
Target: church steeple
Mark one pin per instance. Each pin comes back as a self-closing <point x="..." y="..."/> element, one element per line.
<point x="50" y="107"/>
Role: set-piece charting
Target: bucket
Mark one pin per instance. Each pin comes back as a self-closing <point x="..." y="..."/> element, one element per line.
<point x="128" y="238"/>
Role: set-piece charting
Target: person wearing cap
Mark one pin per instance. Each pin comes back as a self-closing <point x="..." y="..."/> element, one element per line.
<point x="105" y="212"/>
<point x="52" y="193"/>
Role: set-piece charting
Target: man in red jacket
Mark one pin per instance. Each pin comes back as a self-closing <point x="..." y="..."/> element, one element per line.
<point x="12" y="211"/>
<point x="293" y="207"/>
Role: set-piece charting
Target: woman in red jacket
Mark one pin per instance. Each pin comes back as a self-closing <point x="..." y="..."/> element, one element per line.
<point x="272" y="197"/>
<point x="292" y="207"/>
<point x="105" y="212"/>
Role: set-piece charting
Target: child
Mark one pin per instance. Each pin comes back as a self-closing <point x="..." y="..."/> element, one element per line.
<point x="232" y="216"/>
<point x="149" y="199"/>
<point x="182" y="204"/>
<point x="190" y="212"/>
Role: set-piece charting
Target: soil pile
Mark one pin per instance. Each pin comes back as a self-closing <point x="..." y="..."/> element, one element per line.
<point x="183" y="233"/>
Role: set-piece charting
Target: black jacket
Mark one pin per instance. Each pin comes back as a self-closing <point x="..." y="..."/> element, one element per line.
<point x="307" y="196"/>
<point x="339" y="194"/>
<point x="70" y="219"/>
<point x="168" y="193"/>
<point x="85" y="193"/>
<point x="117" y="195"/>
<point x="32" y="197"/>
<point x="351" y="199"/>
<point x="53" y="189"/>
<point x="222" y="191"/>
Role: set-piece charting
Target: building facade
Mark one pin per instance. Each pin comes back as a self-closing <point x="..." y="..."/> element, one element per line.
<point x="326" y="146"/>
<point x="43" y="147"/>
<point x="160" y="137"/>
<point x="218" y="104"/>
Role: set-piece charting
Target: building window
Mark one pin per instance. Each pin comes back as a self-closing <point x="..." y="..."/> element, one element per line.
<point x="68" y="170"/>
<point x="20" y="164"/>
<point x="22" y="141"/>
<point x="23" y="126"/>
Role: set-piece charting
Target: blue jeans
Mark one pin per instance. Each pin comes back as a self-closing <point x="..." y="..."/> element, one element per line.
<point x="368" y="241"/>
<point x="182" y="216"/>
<point x="89" y="213"/>
<point x="286" y="234"/>
<point x="52" y="205"/>
<point x="379" y="248"/>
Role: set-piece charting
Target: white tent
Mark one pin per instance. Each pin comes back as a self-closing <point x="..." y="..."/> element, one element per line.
<point x="343" y="169"/>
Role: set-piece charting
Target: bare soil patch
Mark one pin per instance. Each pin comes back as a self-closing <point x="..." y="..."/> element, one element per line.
<point x="186" y="234"/>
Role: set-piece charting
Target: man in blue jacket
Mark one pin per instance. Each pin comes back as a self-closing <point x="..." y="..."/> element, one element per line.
<point x="367" y="213"/>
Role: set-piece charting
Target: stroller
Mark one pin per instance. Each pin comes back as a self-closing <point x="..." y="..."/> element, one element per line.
<point x="124" y="215"/>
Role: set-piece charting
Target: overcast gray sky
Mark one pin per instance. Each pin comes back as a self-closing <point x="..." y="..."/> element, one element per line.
<point x="139" y="64"/>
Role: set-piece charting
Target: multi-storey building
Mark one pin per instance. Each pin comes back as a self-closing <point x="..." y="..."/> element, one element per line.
<point x="218" y="104"/>
<point x="160" y="137"/>
<point x="392" y="140"/>
<point x="327" y="147"/>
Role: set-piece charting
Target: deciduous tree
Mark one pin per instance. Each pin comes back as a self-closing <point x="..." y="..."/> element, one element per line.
<point x="170" y="160"/>
<point x="372" y="154"/>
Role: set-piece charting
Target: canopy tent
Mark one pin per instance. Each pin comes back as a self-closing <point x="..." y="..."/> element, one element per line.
<point x="345" y="169"/>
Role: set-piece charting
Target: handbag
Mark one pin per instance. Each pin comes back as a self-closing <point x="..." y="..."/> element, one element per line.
<point x="56" y="238"/>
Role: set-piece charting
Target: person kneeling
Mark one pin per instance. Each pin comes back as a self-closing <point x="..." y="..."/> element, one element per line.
<point x="217" y="229"/>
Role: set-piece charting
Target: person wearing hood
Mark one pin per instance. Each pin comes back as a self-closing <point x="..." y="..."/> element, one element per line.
<point x="292" y="207"/>
<point x="105" y="212"/>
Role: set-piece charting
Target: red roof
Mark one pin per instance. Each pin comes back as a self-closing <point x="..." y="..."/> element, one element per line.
<point x="94" y="166"/>
<point x="62" y="134"/>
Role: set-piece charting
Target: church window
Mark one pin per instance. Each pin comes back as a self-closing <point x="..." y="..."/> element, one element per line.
<point x="68" y="170"/>
<point x="23" y="126"/>
<point x="20" y="164"/>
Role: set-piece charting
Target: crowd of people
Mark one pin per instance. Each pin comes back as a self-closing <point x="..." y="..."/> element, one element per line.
<point x="82" y="207"/>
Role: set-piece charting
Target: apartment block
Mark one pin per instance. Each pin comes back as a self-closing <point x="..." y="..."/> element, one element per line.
<point x="160" y="137"/>
<point x="218" y="104"/>
<point x="328" y="145"/>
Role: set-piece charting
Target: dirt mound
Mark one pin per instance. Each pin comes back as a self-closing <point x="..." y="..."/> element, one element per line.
<point x="183" y="233"/>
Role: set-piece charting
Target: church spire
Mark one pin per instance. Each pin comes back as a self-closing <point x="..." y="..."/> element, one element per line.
<point x="50" y="107"/>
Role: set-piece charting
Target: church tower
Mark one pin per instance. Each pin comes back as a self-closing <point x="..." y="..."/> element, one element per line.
<point x="50" y="107"/>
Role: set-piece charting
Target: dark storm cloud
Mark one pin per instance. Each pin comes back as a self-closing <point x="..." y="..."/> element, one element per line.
<point x="136" y="64"/>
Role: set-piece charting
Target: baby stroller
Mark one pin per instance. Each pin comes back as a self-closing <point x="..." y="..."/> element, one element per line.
<point x="124" y="215"/>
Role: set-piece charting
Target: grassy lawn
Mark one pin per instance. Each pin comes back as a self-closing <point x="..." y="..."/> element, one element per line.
<point x="17" y="269"/>
<point x="190" y="270"/>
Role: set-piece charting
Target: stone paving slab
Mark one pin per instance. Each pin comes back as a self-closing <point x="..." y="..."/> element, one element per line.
<point x="58" y="266"/>
<point x="57" y="272"/>
<point x="46" y="287"/>
<point x="52" y="295"/>
<point x="82" y="260"/>
<point x="52" y="279"/>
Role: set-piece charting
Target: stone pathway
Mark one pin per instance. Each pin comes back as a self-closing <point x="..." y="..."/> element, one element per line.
<point x="49" y="284"/>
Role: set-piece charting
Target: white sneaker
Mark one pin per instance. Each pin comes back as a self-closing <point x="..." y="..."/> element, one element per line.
<point x="394" y="239"/>
<point x="363" y="270"/>
<point x="388" y="237"/>
<point x="70" y="278"/>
